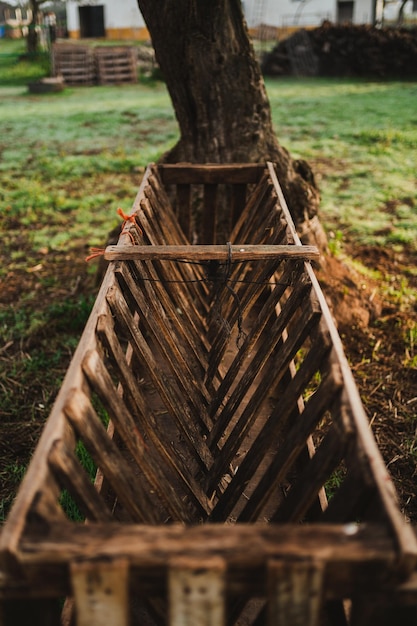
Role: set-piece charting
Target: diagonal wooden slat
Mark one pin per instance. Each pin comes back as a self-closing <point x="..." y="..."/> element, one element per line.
<point x="117" y="470"/>
<point x="170" y="394"/>
<point x="71" y="475"/>
<point x="167" y="455"/>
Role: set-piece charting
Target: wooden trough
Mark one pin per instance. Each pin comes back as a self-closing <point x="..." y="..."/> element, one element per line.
<point x="208" y="459"/>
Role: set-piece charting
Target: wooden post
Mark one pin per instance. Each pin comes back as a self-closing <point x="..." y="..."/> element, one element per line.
<point x="294" y="592"/>
<point x="101" y="592"/>
<point x="197" y="592"/>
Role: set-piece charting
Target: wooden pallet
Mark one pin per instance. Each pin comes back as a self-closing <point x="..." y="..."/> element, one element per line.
<point x="116" y="65"/>
<point x="75" y="63"/>
<point x="211" y="391"/>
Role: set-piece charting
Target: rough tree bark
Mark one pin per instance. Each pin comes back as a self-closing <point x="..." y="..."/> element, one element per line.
<point x="217" y="90"/>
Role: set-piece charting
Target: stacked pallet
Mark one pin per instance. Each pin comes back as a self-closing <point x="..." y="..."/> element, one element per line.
<point x="75" y="63"/>
<point x="83" y="65"/>
<point x="116" y="65"/>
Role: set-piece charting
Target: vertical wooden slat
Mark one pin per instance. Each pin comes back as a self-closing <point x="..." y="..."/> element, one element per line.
<point x="294" y="592"/>
<point x="101" y="592"/>
<point x="197" y="592"/>
<point x="184" y="209"/>
<point x="210" y="214"/>
<point x="238" y="202"/>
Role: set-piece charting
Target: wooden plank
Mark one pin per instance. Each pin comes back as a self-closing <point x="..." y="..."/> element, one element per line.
<point x="72" y="476"/>
<point x="356" y="556"/>
<point x="245" y="173"/>
<point x="236" y="253"/>
<point x="148" y="422"/>
<point x="255" y="332"/>
<point x="101" y="592"/>
<point x="183" y="208"/>
<point x="197" y="592"/>
<point x="210" y="214"/>
<point x="117" y="470"/>
<point x="238" y="201"/>
<point x="294" y="441"/>
<point x="167" y="333"/>
<point x="314" y="475"/>
<point x="125" y="425"/>
<point x="264" y="352"/>
<point x="168" y="392"/>
<point x="269" y="433"/>
<point x="182" y="276"/>
<point x="295" y="592"/>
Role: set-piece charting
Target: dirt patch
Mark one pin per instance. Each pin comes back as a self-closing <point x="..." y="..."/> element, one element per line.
<point x="377" y="337"/>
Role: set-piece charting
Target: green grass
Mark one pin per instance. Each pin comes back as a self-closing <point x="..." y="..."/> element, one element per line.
<point x="361" y="139"/>
<point x="15" y="66"/>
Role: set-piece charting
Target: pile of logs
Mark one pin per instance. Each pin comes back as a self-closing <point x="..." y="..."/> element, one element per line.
<point x="348" y="50"/>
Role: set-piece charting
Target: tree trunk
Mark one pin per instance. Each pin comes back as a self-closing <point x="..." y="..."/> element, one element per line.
<point x="217" y="90"/>
<point x="32" y="39"/>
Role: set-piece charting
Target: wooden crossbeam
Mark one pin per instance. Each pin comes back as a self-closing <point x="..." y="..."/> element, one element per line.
<point x="224" y="253"/>
<point x="354" y="556"/>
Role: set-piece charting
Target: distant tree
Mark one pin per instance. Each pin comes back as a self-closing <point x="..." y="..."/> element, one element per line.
<point x="217" y="89"/>
<point x="33" y="35"/>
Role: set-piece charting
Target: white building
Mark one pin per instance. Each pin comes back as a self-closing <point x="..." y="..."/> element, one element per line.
<point x="113" y="19"/>
<point x="121" y="19"/>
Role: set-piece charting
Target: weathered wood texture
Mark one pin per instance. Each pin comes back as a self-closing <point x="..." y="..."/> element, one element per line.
<point x="116" y="65"/>
<point x="210" y="385"/>
<point x="105" y="65"/>
<point x="75" y="63"/>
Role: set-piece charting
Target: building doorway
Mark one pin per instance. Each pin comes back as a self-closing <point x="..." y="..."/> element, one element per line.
<point x="345" y="12"/>
<point x="92" y="21"/>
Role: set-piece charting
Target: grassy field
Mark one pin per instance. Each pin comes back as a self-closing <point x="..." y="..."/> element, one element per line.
<point x="68" y="160"/>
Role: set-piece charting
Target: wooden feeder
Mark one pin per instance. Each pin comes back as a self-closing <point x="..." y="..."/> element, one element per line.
<point x="236" y="479"/>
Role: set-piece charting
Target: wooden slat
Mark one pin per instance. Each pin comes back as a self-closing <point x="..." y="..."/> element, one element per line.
<point x="183" y="208"/>
<point x="197" y="592"/>
<point x="266" y="349"/>
<point x="107" y="456"/>
<point x="234" y="297"/>
<point x="170" y="395"/>
<point x="275" y="426"/>
<point x="236" y="253"/>
<point x="356" y="556"/>
<point x="72" y="476"/>
<point x="168" y="455"/>
<point x="233" y="300"/>
<point x="167" y="331"/>
<point x="244" y="173"/>
<point x="101" y="382"/>
<point x="101" y="592"/>
<point x="294" y="441"/>
<point x="314" y="475"/>
<point x="238" y="201"/>
<point x="260" y="324"/>
<point x="295" y="592"/>
<point x="210" y="214"/>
